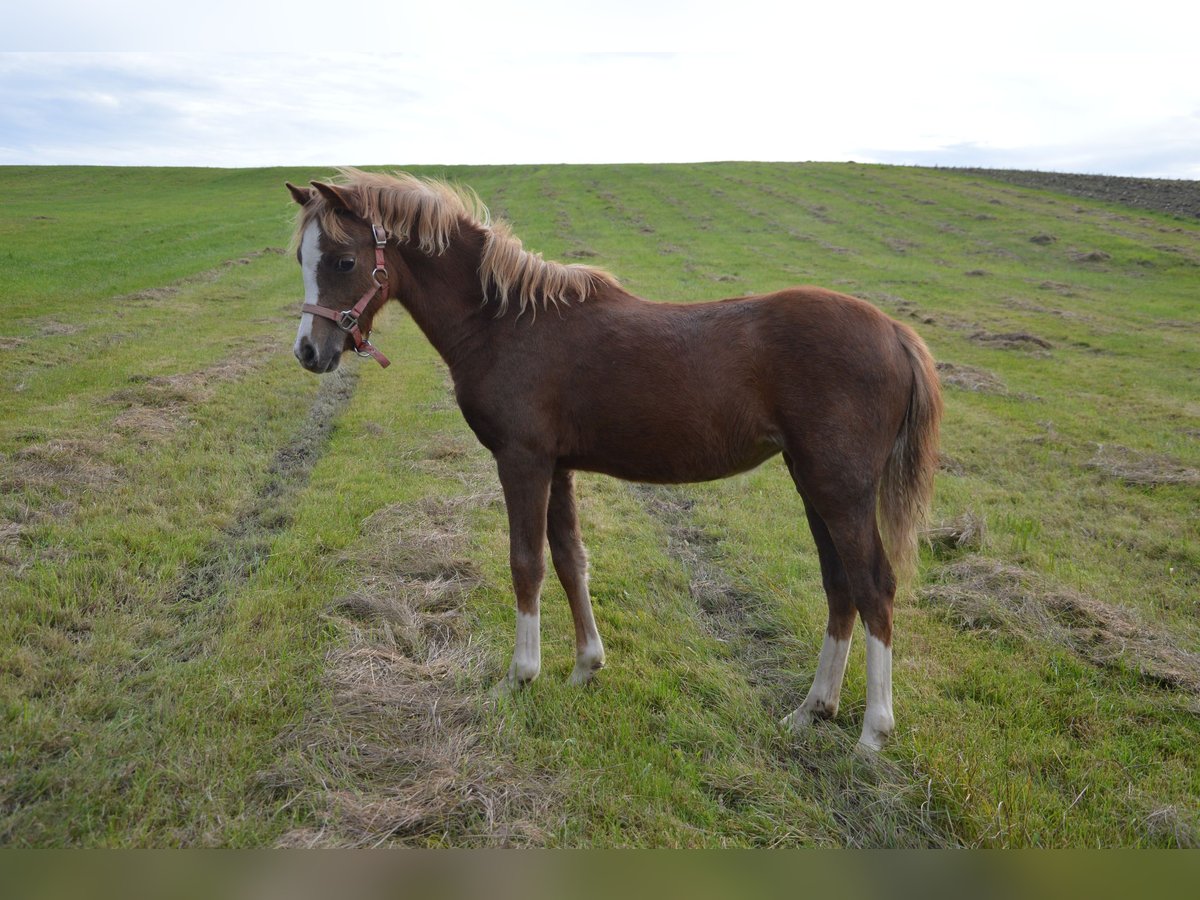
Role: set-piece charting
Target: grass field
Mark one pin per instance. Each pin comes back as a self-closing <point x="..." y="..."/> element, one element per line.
<point x="246" y="606"/>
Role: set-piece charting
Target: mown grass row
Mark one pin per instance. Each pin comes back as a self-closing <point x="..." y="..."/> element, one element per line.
<point x="192" y="547"/>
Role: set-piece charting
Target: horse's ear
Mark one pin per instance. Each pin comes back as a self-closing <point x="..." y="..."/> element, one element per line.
<point x="334" y="196"/>
<point x="301" y="195"/>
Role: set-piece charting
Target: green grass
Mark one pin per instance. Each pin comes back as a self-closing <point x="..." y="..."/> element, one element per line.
<point x="183" y="509"/>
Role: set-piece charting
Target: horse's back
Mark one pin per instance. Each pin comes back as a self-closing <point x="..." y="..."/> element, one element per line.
<point x="688" y="392"/>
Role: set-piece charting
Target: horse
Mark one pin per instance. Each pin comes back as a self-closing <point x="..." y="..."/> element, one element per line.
<point x="655" y="392"/>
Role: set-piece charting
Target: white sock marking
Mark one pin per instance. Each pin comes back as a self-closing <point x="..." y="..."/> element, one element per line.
<point x="879" y="719"/>
<point x="527" y="656"/>
<point x="831" y="669"/>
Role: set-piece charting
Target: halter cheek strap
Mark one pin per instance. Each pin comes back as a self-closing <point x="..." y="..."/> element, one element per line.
<point x="347" y="319"/>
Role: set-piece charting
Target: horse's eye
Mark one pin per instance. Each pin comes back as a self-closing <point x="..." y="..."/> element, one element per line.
<point x="345" y="264"/>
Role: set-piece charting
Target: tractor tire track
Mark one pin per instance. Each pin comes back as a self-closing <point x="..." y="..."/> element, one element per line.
<point x="242" y="547"/>
<point x="868" y="801"/>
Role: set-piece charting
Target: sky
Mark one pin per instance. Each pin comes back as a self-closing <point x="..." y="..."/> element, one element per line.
<point x="1095" y="87"/>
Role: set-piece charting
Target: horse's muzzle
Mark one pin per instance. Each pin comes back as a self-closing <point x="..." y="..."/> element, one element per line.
<point x="306" y="352"/>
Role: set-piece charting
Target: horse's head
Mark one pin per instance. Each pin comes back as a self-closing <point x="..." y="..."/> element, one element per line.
<point x="345" y="279"/>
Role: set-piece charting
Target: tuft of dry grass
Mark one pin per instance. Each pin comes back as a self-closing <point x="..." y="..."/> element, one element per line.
<point x="970" y="378"/>
<point x="966" y="532"/>
<point x="1012" y="340"/>
<point x="400" y="755"/>
<point x="1147" y="469"/>
<point x="74" y="463"/>
<point x="156" y="406"/>
<point x="1180" y="828"/>
<point x="980" y="594"/>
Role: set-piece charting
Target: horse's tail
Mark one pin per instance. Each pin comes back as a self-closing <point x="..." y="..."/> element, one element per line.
<point x="907" y="486"/>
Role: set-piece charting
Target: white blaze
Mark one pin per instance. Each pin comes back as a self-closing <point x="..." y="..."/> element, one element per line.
<point x="310" y="257"/>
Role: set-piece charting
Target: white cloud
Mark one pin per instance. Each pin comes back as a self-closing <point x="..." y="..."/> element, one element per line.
<point x="1051" y="85"/>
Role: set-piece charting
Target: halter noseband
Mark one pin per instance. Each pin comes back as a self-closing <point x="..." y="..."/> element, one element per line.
<point x="347" y="319"/>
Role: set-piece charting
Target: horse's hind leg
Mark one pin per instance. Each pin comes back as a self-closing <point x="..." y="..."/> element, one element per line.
<point x="822" y="699"/>
<point x="857" y="569"/>
<point x="873" y="587"/>
<point x="570" y="562"/>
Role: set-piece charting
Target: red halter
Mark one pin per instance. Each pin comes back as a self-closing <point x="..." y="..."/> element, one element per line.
<point x="347" y="319"/>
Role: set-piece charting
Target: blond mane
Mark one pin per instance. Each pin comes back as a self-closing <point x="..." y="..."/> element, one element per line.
<point x="429" y="213"/>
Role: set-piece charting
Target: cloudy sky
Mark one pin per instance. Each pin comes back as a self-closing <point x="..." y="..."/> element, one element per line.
<point x="1071" y="86"/>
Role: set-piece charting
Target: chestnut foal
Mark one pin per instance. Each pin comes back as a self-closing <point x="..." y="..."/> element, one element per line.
<point x="655" y="392"/>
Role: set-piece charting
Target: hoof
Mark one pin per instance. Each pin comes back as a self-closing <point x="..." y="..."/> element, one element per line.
<point x="797" y="720"/>
<point x="806" y="715"/>
<point x="869" y="747"/>
<point x="584" y="672"/>
<point x="874" y="737"/>
<point x="515" y="681"/>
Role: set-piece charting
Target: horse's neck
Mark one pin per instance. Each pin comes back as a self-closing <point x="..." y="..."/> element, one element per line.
<point x="446" y="300"/>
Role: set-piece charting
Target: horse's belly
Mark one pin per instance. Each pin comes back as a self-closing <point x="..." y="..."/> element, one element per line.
<point x="674" y="459"/>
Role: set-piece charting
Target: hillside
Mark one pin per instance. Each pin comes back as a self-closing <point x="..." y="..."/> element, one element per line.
<point x="246" y="606"/>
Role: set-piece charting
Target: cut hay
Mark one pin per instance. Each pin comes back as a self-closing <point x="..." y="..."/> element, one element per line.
<point x="155" y="406"/>
<point x="970" y="378"/>
<point x="1179" y="828"/>
<point x="1143" y="469"/>
<point x="58" y="465"/>
<point x="401" y="756"/>
<point x="1012" y="340"/>
<point x="1091" y="256"/>
<point x="964" y="533"/>
<point x="979" y="594"/>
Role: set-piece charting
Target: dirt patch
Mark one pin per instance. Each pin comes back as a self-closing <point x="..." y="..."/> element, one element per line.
<point x="1176" y="197"/>
<point x="979" y="594"/>
<point x="1012" y="340"/>
<point x="401" y="753"/>
<point x="970" y="378"/>
<point x="1043" y="239"/>
<point x="12" y="343"/>
<point x="1145" y="469"/>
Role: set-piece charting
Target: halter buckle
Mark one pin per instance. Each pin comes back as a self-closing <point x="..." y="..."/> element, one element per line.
<point x="347" y="320"/>
<point x="380" y="235"/>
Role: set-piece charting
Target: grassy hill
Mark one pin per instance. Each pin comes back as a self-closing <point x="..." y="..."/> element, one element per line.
<point x="246" y="606"/>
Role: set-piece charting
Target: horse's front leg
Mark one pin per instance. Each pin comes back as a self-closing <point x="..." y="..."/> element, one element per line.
<point x="570" y="562"/>
<point x="526" y="484"/>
